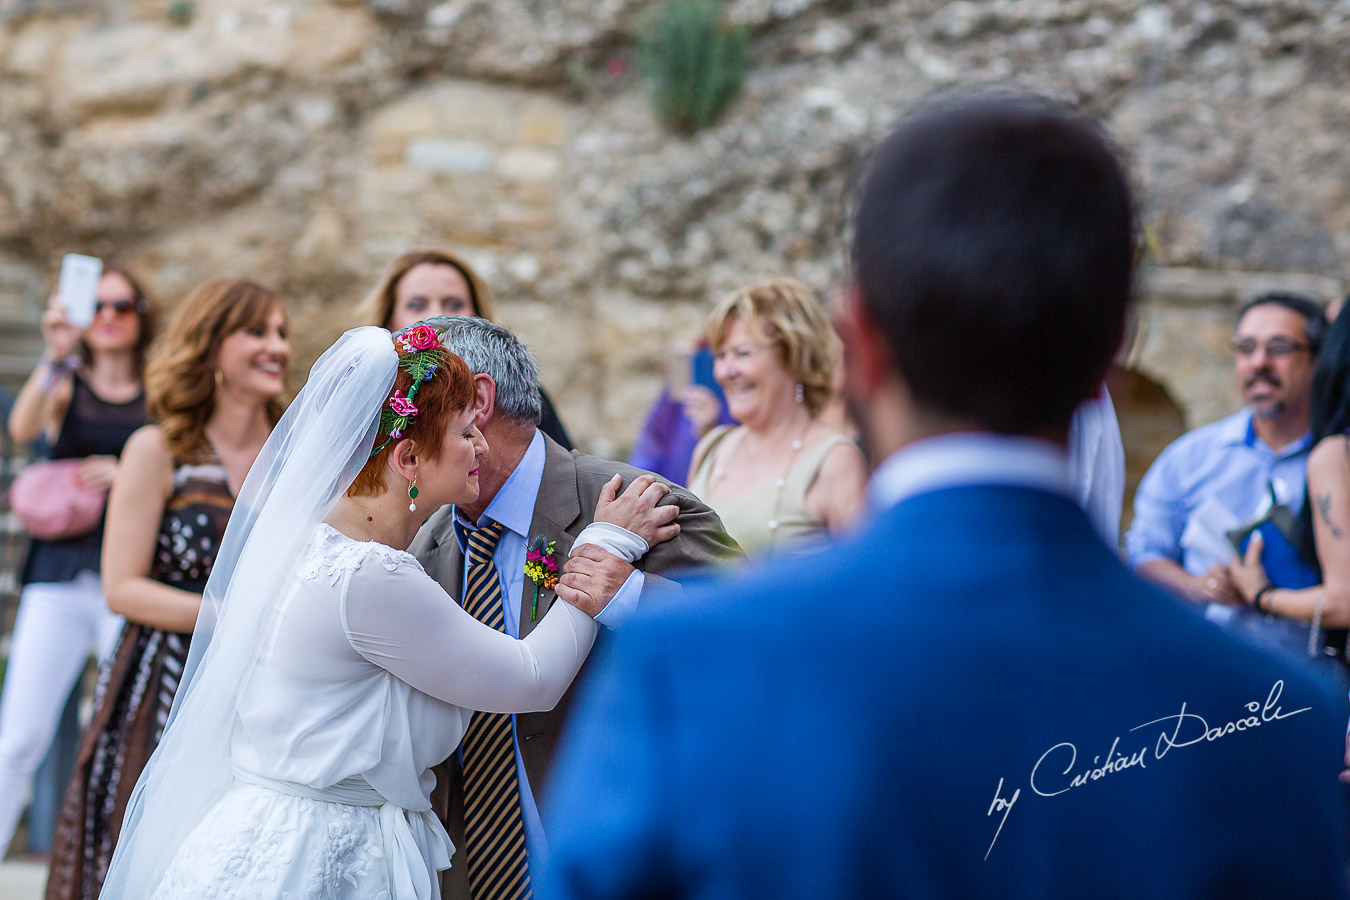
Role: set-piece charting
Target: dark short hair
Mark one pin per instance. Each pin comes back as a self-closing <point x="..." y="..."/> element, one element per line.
<point x="1329" y="404"/>
<point x="1314" y="316"/>
<point x="994" y="246"/>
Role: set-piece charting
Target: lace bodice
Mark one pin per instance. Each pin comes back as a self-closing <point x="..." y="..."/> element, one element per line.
<point x="372" y="670"/>
<point x="331" y="554"/>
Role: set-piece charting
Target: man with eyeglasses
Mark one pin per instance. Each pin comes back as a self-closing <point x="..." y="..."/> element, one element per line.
<point x="1230" y="472"/>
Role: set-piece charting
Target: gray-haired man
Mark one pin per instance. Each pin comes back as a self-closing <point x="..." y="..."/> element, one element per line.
<point x="539" y="492"/>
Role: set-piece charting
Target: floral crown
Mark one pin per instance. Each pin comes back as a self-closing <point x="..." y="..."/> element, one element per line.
<point x="422" y="352"/>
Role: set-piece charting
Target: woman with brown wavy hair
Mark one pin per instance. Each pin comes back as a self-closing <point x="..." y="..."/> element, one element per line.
<point x="425" y="283"/>
<point x="214" y="386"/>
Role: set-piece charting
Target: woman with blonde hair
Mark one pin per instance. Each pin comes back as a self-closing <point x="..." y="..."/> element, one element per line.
<point x="85" y="398"/>
<point x="214" y="386"/>
<point x="783" y="475"/>
<point x="425" y="283"/>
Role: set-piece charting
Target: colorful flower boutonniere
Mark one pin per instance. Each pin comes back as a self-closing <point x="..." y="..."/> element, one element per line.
<point x="541" y="567"/>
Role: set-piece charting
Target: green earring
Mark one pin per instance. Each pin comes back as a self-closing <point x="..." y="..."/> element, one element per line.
<point x="412" y="494"/>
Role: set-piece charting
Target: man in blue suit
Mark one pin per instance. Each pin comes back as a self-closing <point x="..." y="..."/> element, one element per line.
<point x="972" y="698"/>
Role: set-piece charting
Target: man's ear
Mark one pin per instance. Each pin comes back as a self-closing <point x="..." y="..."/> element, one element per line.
<point x="867" y="358"/>
<point x="485" y="406"/>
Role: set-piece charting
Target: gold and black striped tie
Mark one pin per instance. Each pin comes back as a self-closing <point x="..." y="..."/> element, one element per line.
<point x="494" y="833"/>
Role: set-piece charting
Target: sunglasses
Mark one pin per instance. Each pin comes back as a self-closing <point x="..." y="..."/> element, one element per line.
<point x="120" y="307"/>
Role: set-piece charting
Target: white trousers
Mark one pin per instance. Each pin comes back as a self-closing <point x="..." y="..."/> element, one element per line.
<point x="57" y="627"/>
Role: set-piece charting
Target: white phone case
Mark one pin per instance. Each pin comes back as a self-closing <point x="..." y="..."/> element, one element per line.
<point x="78" y="287"/>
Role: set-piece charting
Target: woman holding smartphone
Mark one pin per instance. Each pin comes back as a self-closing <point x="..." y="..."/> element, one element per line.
<point x="85" y="398"/>
<point x="215" y="387"/>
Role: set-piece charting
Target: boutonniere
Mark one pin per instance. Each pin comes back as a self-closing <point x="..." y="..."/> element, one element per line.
<point x="541" y="567"/>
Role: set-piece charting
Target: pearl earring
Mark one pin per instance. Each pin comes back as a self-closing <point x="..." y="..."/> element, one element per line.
<point x="801" y="393"/>
<point x="412" y="494"/>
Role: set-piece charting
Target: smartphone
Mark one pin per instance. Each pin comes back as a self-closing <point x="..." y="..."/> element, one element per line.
<point x="78" y="287"/>
<point x="678" y="361"/>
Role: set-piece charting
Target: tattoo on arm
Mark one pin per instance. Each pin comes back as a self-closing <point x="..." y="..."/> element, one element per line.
<point x="1324" y="509"/>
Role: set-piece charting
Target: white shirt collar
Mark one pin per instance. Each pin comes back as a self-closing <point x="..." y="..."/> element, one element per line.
<point x="966" y="458"/>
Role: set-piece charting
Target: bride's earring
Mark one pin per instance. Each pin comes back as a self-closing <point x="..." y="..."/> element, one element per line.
<point x="412" y="494"/>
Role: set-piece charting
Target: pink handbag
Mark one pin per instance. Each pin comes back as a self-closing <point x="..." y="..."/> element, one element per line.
<point x="52" y="504"/>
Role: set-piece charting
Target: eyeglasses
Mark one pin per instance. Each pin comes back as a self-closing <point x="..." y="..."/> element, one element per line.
<point x="1276" y="347"/>
<point x="743" y="351"/>
<point x="120" y="307"/>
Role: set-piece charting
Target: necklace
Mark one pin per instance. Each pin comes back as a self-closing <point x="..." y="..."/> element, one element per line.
<point x="780" y="483"/>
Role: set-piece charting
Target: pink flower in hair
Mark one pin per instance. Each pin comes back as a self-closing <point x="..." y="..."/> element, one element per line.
<point x="402" y="405"/>
<point x="422" y="337"/>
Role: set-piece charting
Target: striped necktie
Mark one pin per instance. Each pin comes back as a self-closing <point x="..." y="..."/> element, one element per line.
<point x="494" y="832"/>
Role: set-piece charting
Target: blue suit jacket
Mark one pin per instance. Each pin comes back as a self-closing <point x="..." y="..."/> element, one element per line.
<point x="840" y="726"/>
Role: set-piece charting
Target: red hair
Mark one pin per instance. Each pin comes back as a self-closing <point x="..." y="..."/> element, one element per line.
<point x="449" y="391"/>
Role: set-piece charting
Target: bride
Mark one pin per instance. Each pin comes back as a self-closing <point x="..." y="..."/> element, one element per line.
<point x="328" y="672"/>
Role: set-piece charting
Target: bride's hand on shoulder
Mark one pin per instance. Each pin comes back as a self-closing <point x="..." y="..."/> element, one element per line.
<point x="636" y="508"/>
<point x="591" y="577"/>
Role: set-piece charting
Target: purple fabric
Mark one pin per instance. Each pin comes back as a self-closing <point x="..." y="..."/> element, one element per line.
<point x="666" y="443"/>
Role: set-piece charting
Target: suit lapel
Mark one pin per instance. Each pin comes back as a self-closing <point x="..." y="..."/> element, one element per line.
<point x="556" y="508"/>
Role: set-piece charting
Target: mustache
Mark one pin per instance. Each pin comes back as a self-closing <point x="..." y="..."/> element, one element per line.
<point x="1263" y="375"/>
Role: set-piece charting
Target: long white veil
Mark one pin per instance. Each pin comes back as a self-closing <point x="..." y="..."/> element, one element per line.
<point x="312" y="456"/>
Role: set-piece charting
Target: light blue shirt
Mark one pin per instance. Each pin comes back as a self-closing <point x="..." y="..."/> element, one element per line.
<point x="969" y="458"/>
<point x="514" y="508"/>
<point x="1224" y="460"/>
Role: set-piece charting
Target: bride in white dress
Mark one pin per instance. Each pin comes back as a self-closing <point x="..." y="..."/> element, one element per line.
<point x="328" y="672"/>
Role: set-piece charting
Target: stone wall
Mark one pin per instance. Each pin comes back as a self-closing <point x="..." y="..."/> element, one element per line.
<point x="306" y="143"/>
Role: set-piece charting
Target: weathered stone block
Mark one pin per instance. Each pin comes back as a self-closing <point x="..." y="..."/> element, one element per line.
<point x="439" y="154"/>
<point x="541" y="122"/>
<point x="528" y="164"/>
<point x="475" y="111"/>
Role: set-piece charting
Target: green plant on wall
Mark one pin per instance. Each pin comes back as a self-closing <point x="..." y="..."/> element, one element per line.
<point x="693" y="61"/>
<point x="180" y="12"/>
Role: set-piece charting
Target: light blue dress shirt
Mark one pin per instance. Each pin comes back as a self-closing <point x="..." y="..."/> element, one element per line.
<point x="1224" y="460"/>
<point x="966" y="458"/>
<point x="514" y="508"/>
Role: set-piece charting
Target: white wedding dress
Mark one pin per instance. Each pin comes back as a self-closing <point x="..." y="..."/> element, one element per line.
<point x="366" y="681"/>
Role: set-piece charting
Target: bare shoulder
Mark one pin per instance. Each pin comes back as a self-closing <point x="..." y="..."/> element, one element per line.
<point x="705" y="445"/>
<point x="846" y="459"/>
<point x="147" y="444"/>
<point x="146" y="461"/>
<point x="1329" y="461"/>
<point x="843" y="465"/>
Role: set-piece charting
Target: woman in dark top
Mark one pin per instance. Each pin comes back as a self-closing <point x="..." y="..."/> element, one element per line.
<point x="214" y="386"/>
<point x="85" y="397"/>
<point x="425" y="283"/>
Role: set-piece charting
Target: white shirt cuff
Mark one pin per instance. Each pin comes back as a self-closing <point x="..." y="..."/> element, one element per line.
<point x="614" y="539"/>
<point x="624" y="603"/>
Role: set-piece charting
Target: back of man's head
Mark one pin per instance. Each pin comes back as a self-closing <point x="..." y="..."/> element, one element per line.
<point x="489" y="349"/>
<point x="994" y="247"/>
